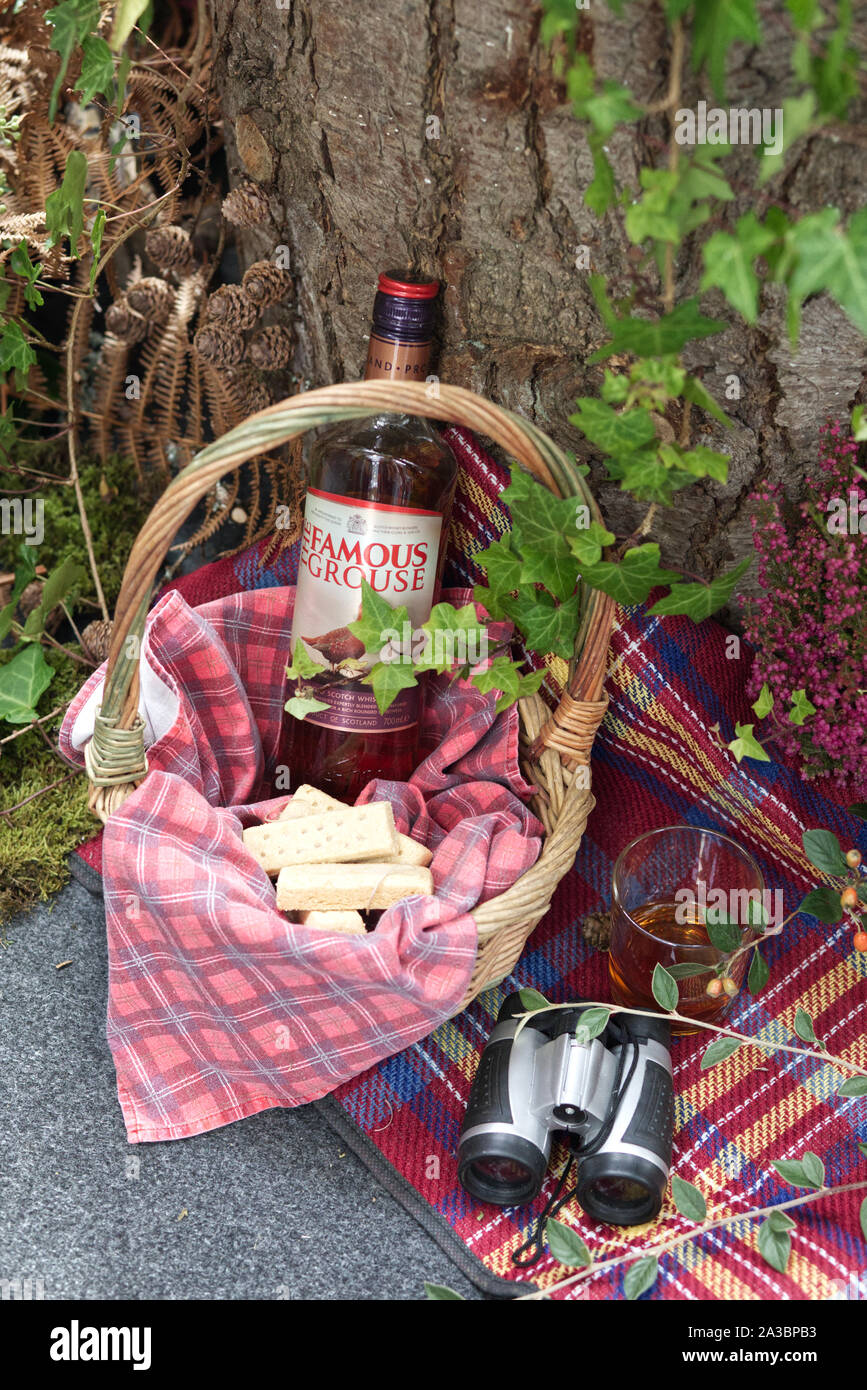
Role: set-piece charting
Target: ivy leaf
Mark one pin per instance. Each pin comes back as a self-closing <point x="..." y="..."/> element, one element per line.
<point x="452" y="635"/>
<point x="664" y="989"/>
<point x="441" y="1293"/>
<point x="804" y="1026"/>
<point x="764" y="704"/>
<point x="71" y="22"/>
<point x="387" y="679"/>
<point x="302" y="666"/>
<point x="615" y="432"/>
<point x="699" y="601"/>
<point x="588" y="541"/>
<point x="97" y="69"/>
<point x="801" y="707"/>
<point x="301" y="705"/>
<point x="853" y="1087"/>
<point x="632" y="579"/>
<point x="640" y="1277"/>
<point x="566" y="1245"/>
<point x="807" y="1171"/>
<point x="718" y="1051"/>
<point x="532" y="999"/>
<point x="716" y="25"/>
<point x="64" y="208"/>
<point x="799" y="116"/>
<point x="23" y="680"/>
<point x="746" y="745"/>
<point x="667" y="335"/>
<point x="545" y="625"/>
<point x="822" y="848"/>
<point x="728" y="262"/>
<point x="377" y="617"/>
<point x="823" y="903"/>
<point x="502" y="566"/>
<point x="556" y="568"/>
<point x="759" y="973"/>
<point x="688" y="1200"/>
<point x="16" y="354"/>
<point x="775" y="1246"/>
<point x="609" y="108"/>
<point x="699" y="462"/>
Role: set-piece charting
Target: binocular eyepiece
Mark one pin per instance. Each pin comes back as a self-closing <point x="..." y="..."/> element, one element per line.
<point x="612" y="1095"/>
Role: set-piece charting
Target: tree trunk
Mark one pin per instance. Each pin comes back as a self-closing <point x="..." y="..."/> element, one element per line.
<point x="436" y="133"/>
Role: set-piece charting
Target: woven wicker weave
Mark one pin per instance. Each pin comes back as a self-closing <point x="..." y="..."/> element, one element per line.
<point x="555" y="747"/>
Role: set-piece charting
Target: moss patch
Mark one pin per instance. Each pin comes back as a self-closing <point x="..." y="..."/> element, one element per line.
<point x="37" y="839"/>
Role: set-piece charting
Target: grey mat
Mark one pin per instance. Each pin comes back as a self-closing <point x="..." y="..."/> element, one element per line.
<point x="276" y="1206"/>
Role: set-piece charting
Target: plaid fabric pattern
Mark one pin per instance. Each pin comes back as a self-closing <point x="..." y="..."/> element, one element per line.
<point x="655" y="763"/>
<point x="220" y="1007"/>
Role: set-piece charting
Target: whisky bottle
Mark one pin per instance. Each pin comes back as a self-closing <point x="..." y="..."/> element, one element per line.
<point x="379" y="493"/>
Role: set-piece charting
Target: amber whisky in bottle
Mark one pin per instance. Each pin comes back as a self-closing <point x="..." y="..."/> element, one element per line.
<point x="379" y="494"/>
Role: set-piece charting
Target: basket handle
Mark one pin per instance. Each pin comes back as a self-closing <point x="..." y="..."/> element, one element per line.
<point x="115" y="755"/>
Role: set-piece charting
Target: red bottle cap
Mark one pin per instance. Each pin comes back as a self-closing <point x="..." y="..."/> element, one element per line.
<point x="402" y="285"/>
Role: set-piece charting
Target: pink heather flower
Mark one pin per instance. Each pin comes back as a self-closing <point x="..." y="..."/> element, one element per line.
<point x="809" y="628"/>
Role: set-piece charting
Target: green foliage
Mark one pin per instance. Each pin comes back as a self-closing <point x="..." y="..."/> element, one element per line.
<point x="72" y="22"/>
<point x="566" y="1245"/>
<point x="22" y="681"/>
<point x="688" y="1200"/>
<point x="822" y="848"/>
<point x="64" y="208"/>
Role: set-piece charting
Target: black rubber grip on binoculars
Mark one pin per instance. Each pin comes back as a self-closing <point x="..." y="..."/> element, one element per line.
<point x="652" y="1123"/>
<point x="489" y="1093"/>
<point x="647" y="1029"/>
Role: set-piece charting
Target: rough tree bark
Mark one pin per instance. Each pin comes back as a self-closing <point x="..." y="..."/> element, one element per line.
<point x="329" y="106"/>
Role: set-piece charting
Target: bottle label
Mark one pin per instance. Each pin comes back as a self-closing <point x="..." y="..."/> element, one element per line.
<point x="344" y="541"/>
<point x="398" y="361"/>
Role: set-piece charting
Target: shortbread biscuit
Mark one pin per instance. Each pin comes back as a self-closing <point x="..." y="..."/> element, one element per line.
<point x="352" y="833"/>
<point x="409" y="851"/>
<point x="339" y="887"/>
<point x="351" y="923"/>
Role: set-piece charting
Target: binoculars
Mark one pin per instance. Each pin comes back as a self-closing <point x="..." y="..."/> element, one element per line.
<point x="611" y="1095"/>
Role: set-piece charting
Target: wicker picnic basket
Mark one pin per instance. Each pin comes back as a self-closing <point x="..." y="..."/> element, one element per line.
<point x="555" y="746"/>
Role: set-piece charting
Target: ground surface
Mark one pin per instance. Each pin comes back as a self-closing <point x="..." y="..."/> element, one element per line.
<point x="276" y="1206"/>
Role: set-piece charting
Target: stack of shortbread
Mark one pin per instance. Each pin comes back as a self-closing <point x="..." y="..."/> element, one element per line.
<point x="333" y="862"/>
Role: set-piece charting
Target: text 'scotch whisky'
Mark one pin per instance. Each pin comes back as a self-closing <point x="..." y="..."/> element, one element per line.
<point x="378" y="501"/>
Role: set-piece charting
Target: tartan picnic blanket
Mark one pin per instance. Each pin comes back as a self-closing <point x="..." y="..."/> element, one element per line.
<point x="656" y="761"/>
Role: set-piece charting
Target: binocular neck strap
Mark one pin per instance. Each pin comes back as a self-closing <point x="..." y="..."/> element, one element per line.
<point x="530" y="1253"/>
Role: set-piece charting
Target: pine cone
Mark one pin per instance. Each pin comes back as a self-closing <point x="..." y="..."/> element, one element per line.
<point x="152" y="298"/>
<point x="124" y="323"/>
<point x="170" y="247"/>
<point x="271" y="349"/>
<point x="246" y="205"/>
<point x="231" y="307"/>
<point x="596" y="930"/>
<point x="96" y="639"/>
<point x="265" y="283"/>
<point x="248" y="389"/>
<point x="222" y="346"/>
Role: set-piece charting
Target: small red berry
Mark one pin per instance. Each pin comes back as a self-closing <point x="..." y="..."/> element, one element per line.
<point x="714" y="989"/>
<point x="859" y="941"/>
<point x="849" y="897"/>
<point x="853" y="858"/>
